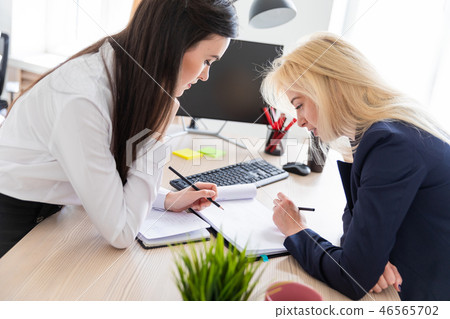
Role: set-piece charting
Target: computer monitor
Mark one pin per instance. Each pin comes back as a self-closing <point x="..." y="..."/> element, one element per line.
<point x="232" y="92"/>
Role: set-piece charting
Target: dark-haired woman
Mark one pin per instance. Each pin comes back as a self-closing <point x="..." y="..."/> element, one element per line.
<point x="69" y="139"/>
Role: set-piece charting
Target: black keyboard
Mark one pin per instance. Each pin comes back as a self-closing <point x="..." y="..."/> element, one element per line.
<point x="256" y="171"/>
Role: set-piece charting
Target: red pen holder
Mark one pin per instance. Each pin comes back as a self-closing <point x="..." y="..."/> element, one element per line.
<point x="275" y="142"/>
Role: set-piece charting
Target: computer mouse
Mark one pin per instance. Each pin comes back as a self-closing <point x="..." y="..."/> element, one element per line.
<point x="297" y="168"/>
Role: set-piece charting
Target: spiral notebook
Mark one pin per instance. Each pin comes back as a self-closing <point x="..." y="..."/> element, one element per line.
<point x="163" y="228"/>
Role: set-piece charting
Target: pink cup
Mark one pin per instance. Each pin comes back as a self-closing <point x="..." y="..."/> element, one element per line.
<point x="291" y="291"/>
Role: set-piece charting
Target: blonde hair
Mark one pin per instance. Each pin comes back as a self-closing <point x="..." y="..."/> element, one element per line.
<point x="347" y="91"/>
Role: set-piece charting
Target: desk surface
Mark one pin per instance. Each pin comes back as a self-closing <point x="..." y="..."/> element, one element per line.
<point x="65" y="258"/>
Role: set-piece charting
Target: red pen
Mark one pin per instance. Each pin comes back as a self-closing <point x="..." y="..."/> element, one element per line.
<point x="281" y="121"/>
<point x="269" y="118"/>
<point x="276" y="127"/>
<point x="290" y="124"/>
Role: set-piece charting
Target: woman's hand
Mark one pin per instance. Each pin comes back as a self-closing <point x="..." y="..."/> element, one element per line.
<point x="390" y="276"/>
<point x="190" y="198"/>
<point x="286" y="216"/>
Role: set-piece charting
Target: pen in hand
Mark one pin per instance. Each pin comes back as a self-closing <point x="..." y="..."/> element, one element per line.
<point x="306" y="209"/>
<point x="193" y="186"/>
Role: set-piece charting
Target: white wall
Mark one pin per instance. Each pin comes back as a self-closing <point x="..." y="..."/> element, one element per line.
<point x="5" y="16"/>
<point x="30" y="14"/>
<point x="312" y="15"/>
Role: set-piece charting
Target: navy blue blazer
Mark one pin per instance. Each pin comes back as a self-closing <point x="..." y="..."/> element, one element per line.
<point x="398" y="210"/>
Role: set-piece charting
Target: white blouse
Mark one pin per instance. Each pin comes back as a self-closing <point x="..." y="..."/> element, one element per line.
<point x="55" y="148"/>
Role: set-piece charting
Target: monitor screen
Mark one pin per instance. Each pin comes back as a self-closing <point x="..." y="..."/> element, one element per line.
<point x="232" y="90"/>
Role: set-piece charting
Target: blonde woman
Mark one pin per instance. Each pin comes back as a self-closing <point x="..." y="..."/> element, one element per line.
<point x="397" y="218"/>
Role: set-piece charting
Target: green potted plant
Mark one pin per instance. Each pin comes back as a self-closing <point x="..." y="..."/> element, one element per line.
<point x="215" y="273"/>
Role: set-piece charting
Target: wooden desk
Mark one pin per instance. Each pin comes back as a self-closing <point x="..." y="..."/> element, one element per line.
<point x="65" y="258"/>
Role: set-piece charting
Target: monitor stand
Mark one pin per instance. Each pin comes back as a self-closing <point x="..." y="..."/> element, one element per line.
<point x="193" y="128"/>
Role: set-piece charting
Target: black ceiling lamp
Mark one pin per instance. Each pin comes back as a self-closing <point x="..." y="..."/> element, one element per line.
<point x="271" y="13"/>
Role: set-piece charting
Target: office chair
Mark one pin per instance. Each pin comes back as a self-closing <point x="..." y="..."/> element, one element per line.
<point x="4" y="46"/>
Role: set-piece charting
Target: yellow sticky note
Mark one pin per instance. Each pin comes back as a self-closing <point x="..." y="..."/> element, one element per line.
<point x="187" y="153"/>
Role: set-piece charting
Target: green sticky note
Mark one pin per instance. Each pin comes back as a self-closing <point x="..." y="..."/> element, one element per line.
<point x="187" y="153"/>
<point x="212" y="152"/>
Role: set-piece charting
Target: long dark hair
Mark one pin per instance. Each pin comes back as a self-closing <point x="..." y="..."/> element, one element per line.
<point x="155" y="40"/>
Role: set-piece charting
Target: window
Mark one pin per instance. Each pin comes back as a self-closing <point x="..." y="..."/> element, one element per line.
<point x="74" y="24"/>
<point x="408" y="41"/>
<point x="63" y="27"/>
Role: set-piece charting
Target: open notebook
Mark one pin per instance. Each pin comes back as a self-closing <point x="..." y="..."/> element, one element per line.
<point x="162" y="228"/>
<point x="244" y="223"/>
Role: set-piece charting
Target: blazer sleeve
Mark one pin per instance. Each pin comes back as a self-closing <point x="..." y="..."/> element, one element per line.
<point x="390" y="175"/>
